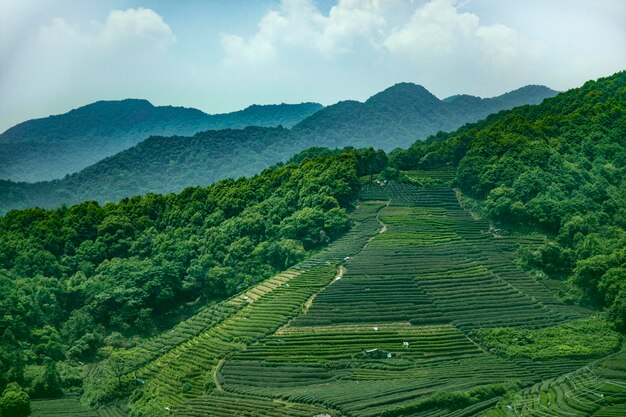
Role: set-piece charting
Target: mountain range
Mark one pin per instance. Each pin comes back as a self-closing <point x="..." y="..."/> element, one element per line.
<point x="403" y="113"/>
<point x="395" y="117"/>
<point x="52" y="147"/>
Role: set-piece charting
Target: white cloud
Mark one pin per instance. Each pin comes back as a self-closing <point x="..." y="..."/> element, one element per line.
<point x="63" y="62"/>
<point x="123" y="28"/>
<point x="138" y="24"/>
<point x="436" y="28"/>
<point x="422" y="39"/>
<point x="440" y="34"/>
<point x="299" y="25"/>
<point x="505" y="48"/>
<point x="125" y="44"/>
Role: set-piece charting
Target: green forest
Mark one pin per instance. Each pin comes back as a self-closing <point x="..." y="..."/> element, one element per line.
<point x="384" y="253"/>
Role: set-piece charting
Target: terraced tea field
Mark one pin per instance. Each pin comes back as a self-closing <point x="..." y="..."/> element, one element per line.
<point x="60" y="408"/>
<point x="69" y="406"/>
<point x="383" y="322"/>
<point x="184" y="364"/>
<point x="598" y="389"/>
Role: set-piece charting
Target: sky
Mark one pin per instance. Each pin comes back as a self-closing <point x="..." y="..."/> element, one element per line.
<point x="223" y="55"/>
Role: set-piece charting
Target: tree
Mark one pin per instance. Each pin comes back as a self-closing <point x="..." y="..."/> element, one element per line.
<point x="14" y="402"/>
<point x="304" y="225"/>
<point x="119" y="364"/>
<point x="336" y="222"/>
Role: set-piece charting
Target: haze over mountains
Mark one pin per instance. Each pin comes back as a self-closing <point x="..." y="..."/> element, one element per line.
<point x="52" y="147"/>
<point x="395" y="117"/>
<point x="399" y="115"/>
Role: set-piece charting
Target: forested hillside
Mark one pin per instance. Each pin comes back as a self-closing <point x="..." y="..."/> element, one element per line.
<point x="394" y="117"/>
<point x="81" y="279"/>
<point x="340" y="284"/>
<point x="159" y="164"/>
<point x="559" y="167"/>
<point x="52" y="147"/>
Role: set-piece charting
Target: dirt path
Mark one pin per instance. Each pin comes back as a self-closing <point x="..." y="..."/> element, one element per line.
<point x="308" y="303"/>
<point x="340" y="271"/>
<point x="218" y="385"/>
<point x="383" y="228"/>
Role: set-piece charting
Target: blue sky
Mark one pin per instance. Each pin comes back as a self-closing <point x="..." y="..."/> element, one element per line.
<point x="222" y="55"/>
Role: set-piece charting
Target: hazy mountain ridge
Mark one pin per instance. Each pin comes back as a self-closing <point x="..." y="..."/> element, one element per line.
<point x="392" y="118"/>
<point x="397" y="116"/>
<point x="52" y="147"/>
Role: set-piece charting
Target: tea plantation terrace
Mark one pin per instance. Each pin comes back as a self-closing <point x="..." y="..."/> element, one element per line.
<point x="386" y="321"/>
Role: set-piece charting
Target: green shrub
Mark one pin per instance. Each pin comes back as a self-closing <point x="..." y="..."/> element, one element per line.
<point x="14" y="402"/>
<point x="584" y="338"/>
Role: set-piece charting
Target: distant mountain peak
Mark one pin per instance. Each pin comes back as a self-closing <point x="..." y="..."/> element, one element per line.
<point x="531" y="89"/>
<point x="124" y="104"/>
<point x="534" y="87"/>
<point x="404" y="92"/>
<point x="532" y="94"/>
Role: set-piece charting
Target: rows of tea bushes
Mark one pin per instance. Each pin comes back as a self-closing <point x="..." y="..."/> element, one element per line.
<point x="185" y="371"/>
<point x="373" y="191"/>
<point x="70" y="406"/>
<point x="444" y="174"/>
<point x="595" y="390"/>
<point x="60" y="407"/>
<point x="222" y="404"/>
<point x="209" y="317"/>
<point x="371" y="299"/>
<point x="466" y="272"/>
<point x="190" y="363"/>
<point x="378" y="286"/>
<point x="392" y="331"/>
<point x="373" y="340"/>
<point x="330" y="346"/>
<point x="361" y="371"/>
